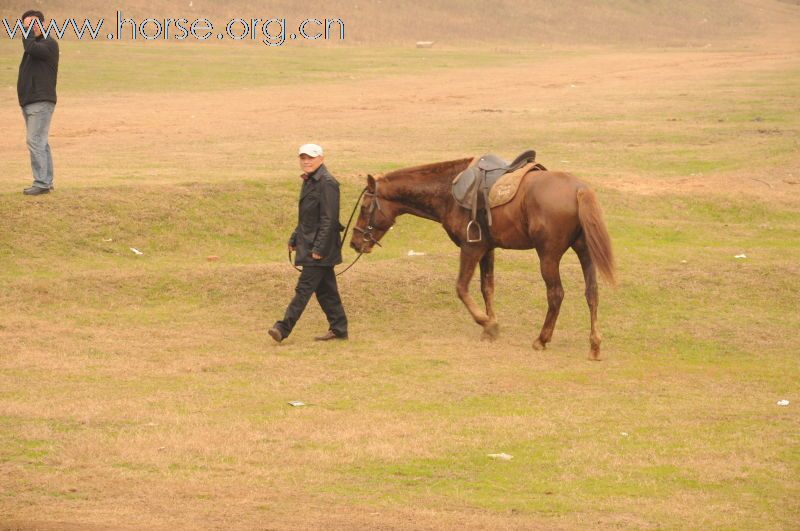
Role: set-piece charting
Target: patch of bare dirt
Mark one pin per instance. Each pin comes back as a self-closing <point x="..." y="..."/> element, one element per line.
<point x="231" y="134"/>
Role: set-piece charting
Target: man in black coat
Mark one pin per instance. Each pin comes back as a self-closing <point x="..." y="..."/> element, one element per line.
<point x="36" y="91"/>
<point x="318" y="248"/>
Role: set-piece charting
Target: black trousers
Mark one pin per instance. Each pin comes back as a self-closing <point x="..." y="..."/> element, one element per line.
<point x="322" y="282"/>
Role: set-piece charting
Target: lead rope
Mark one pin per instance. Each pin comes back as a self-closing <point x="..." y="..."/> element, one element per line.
<point x="344" y="237"/>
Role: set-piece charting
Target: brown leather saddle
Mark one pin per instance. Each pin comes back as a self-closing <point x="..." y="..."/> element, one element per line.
<point x="471" y="187"/>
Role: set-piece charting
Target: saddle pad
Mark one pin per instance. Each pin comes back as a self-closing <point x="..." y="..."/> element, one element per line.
<point x="506" y="187"/>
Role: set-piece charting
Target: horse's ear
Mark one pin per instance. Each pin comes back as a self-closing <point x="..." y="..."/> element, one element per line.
<point x="370" y="183"/>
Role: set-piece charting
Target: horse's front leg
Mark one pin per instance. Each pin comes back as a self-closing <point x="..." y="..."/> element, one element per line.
<point x="492" y="329"/>
<point x="470" y="255"/>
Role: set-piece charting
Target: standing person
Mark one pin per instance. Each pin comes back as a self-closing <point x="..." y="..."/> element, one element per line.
<point x="36" y="90"/>
<point x="318" y="247"/>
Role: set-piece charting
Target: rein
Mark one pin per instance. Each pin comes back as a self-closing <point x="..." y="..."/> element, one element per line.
<point x="349" y="221"/>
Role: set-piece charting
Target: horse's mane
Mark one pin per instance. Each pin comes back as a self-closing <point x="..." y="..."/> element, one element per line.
<point x="448" y="168"/>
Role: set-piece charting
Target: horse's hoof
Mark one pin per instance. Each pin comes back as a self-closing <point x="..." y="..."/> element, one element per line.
<point x="490" y="332"/>
<point x="538" y="345"/>
<point x="594" y="355"/>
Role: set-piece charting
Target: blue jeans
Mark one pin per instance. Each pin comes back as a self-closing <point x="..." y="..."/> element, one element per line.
<point x="37" y="122"/>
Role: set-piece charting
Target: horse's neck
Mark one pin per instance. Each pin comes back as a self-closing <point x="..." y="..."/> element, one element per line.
<point x="424" y="197"/>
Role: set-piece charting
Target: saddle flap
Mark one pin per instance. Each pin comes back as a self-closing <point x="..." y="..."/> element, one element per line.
<point x="463" y="184"/>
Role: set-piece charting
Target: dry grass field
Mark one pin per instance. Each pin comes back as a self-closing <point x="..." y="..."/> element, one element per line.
<point x="142" y="392"/>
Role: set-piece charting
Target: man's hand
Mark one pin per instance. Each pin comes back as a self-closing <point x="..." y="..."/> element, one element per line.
<point x="316" y="256"/>
<point x="292" y="248"/>
<point x="30" y="21"/>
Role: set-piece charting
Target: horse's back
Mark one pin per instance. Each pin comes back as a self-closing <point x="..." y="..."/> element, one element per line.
<point x="551" y="204"/>
<point x="553" y="192"/>
<point x="545" y="209"/>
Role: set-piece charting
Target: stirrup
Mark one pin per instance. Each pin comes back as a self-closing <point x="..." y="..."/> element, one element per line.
<point x="480" y="235"/>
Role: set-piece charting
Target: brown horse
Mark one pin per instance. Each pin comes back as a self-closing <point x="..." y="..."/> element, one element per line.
<point x="551" y="212"/>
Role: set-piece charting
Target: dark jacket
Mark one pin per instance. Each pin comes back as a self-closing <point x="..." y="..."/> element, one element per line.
<point x="318" y="221"/>
<point x="38" y="70"/>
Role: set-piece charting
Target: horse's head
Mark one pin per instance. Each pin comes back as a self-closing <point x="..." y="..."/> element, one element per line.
<point x="376" y="217"/>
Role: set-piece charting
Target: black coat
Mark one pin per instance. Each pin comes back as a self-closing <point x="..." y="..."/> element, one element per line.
<point x="38" y="70"/>
<point x="318" y="221"/>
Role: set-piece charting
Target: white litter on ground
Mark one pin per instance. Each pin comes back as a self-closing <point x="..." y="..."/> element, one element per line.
<point x="783" y="402"/>
<point x="415" y="253"/>
<point x="296" y="403"/>
<point x="136" y="251"/>
<point x="504" y="456"/>
<point x="741" y="256"/>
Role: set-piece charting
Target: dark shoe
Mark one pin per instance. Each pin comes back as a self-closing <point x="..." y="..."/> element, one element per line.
<point x="329" y="335"/>
<point x="35" y="190"/>
<point x="275" y="334"/>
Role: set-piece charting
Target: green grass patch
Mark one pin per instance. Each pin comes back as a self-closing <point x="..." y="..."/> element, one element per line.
<point x="91" y="68"/>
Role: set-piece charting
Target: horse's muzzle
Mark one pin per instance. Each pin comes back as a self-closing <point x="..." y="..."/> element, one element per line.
<point x="361" y="249"/>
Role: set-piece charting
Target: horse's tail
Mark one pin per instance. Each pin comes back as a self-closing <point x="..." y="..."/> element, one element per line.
<point x="596" y="234"/>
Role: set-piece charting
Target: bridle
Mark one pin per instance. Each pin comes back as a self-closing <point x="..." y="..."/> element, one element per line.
<point x="375" y="205"/>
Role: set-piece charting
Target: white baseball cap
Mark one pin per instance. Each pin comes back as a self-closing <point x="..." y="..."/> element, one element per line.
<point x="312" y="150"/>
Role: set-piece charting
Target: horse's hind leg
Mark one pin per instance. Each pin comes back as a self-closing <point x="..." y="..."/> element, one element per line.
<point x="590" y="277"/>
<point x="549" y="262"/>
<point x="492" y="329"/>
<point x="469" y="260"/>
